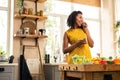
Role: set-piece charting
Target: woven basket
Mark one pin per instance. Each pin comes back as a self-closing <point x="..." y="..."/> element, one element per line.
<point x="29" y="24"/>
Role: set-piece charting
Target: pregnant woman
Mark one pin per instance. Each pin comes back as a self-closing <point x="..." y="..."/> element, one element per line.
<point x="78" y="36"/>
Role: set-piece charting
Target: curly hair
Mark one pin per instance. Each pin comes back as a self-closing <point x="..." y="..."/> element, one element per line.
<point x="72" y="18"/>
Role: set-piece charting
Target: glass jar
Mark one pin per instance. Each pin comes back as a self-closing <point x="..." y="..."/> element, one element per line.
<point x="30" y="11"/>
<point x="41" y="13"/>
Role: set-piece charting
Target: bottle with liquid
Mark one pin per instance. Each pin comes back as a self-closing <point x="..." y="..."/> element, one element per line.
<point x="47" y="58"/>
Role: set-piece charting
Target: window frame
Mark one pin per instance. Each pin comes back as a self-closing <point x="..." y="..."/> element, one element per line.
<point x="9" y="25"/>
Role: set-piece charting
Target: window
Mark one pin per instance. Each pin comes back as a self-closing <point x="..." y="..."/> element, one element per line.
<point x="4" y="23"/>
<point x="56" y="24"/>
<point x="117" y="18"/>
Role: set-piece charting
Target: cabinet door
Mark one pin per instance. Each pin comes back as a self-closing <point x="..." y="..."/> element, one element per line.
<point x="57" y="73"/>
<point x="6" y="76"/>
<point x="49" y="71"/>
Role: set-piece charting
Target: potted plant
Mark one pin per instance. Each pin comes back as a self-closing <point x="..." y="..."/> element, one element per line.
<point x="19" y="4"/>
<point x="3" y="54"/>
<point x="117" y="31"/>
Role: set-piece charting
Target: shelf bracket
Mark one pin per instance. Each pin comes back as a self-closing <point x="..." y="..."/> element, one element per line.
<point x="36" y="22"/>
<point x="22" y="19"/>
<point x="36" y="6"/>
<point x="22" y="2"/>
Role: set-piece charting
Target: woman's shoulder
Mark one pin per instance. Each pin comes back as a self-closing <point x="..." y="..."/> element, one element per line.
<point x="68" y="30"/>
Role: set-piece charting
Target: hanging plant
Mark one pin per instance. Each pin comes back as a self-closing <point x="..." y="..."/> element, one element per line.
<point x="117" y="31"/>
<point x="118" y="24"/>
<point x="19" y="3"/>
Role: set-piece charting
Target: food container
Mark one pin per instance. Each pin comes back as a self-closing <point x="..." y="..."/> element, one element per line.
<point x="26" y="30"/>
<point x="41" y="13"/>
<point x="30" y="11"/>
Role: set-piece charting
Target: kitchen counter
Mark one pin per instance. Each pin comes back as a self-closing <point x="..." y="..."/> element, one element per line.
<point x="8" y="71"/>
<point x="8" y="64"/>
<point x="54" y="64"/>
<point x="51" y="71"/>
<point x="90" y="72"/>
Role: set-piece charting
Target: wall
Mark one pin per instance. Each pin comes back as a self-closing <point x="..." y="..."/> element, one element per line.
<point x="107" y="22"/>
<point x="30" y="53"/>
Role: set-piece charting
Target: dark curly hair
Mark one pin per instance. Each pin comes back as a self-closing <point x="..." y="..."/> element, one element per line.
<point x="72" y="18"/>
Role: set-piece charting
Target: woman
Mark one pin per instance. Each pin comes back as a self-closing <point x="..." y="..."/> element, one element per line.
<point x="78" y="36"/>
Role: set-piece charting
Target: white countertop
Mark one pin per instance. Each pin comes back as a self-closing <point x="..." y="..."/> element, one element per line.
<point x="8" y="64"/>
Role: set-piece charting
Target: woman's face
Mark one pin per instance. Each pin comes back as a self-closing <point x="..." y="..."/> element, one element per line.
<point x="79" y="19"/>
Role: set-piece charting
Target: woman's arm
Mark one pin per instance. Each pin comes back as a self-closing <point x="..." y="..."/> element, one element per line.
<point x="67" y="49"/>
<point x="89" y="39"/>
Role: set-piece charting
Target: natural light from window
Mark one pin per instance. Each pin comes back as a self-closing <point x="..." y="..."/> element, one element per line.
<point x="3" y="23"/>
<point x="56" y="24"/>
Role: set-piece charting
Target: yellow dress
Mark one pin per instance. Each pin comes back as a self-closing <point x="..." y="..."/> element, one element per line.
<point x="75" y="35"/>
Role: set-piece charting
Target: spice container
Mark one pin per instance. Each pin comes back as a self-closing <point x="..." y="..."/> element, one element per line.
<point x="25" y="10"/>
<point x="30" y="11"/>
<point x="20" y="31"/>
<point x="41" y="13"/>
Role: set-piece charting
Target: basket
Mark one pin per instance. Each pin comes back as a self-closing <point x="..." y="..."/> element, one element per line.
<point x="29" y="24"/>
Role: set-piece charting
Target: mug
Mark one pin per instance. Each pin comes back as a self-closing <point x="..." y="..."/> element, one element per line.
<point x="42" y="31"/>
<point x="26" y="30"/>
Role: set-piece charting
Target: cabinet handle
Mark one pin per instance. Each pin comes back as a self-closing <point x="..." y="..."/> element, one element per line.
<point x="68" y="68"/>
<point x="2" y="69"/>
<point x="76" y="68"/>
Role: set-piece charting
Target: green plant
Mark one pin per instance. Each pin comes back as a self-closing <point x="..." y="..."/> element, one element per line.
<point x="19" y="3"/>
<point x="117" y="31"/>
<point x="117" y="24"/>
<point x="3" y="53"/>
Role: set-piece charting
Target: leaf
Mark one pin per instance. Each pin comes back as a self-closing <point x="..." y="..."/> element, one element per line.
<point x="117" y="24"/>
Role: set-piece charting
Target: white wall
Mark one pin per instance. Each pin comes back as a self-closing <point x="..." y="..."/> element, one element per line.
<point x="107" y="22"/>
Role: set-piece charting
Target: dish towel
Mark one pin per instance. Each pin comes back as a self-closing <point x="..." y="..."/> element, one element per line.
<point x="24" y="70"/>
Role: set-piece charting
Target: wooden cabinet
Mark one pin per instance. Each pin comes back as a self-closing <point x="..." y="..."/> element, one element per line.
<point x="90" y="71"/>
<point x="51" y="72"/>
<point x="8" y="72"/>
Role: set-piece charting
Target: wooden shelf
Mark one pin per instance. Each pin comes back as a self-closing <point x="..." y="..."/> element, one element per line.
<point x="30" y="16"/>
<point x="29" y="36"/>
<point x="40" y="1"/>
